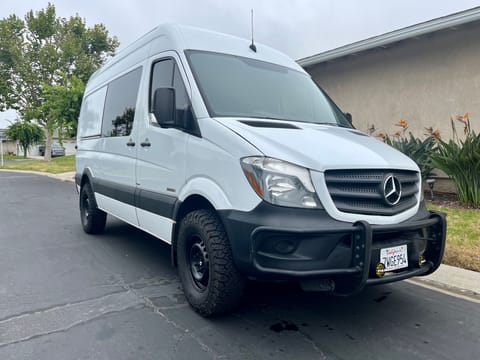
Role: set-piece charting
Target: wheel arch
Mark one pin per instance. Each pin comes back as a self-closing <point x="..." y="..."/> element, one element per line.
<point x="182" y="208"/>
<point x="86" y="176"/>
<point x="198" y="193"/>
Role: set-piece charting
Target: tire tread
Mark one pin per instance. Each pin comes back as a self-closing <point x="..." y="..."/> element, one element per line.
<point x="226" y="285"/>
<point x="98" y="218"/>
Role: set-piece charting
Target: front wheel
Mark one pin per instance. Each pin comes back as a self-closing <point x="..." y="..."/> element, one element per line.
<point x="93" y="219"/>
<point x="210" y="280"/>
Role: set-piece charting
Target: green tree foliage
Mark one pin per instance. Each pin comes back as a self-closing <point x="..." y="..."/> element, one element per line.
<point x="26" y="133"/>
<point x="62" y="105"/>
<point x="42" y="51"/>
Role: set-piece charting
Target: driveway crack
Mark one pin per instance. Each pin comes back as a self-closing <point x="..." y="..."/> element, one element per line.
<point x="61" y="318"/>
<point x="185" y="331"/>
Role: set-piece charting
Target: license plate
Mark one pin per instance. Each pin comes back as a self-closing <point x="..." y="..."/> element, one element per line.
<point x="394" y="258"/>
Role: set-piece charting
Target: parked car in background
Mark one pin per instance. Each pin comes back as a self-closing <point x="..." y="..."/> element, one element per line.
<point x="57" y="150"/>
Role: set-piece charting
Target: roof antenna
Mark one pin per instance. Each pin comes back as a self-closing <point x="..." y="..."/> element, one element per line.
<point x="252" y="45"/>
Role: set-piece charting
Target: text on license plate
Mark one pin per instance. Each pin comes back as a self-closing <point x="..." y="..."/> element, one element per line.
<point x="394" y="257"/>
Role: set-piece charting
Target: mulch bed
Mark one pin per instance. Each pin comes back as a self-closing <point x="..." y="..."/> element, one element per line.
<point x="446" y="199"/>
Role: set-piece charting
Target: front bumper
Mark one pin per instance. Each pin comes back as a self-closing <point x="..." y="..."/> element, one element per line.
<point x="276" y="243"/>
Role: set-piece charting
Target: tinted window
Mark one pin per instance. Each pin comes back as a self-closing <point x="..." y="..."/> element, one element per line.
<point x="90" y="122"/>
<point x="166" y="74"/>
<point x="162" y="76"/>
<point x="181" y="97"/>
<point x="120" y="104"/>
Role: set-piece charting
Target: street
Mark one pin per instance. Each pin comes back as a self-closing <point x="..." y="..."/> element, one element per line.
<point x="67" y="295"/>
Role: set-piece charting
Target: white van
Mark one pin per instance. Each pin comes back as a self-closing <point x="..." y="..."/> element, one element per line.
<point x="235" y="157"/>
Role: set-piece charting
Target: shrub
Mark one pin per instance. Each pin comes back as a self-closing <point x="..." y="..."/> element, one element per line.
<point x="420" y="151"/>
<point x="26" y="133"/>
<point x="460" y="159"/>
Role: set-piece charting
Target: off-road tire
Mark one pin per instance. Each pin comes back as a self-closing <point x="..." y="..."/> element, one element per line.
<point x="224" y="286"/>
<point x="93" y="219"/>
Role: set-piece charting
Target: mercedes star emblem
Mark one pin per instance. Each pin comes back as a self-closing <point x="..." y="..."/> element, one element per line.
<point x="392" y="190"/>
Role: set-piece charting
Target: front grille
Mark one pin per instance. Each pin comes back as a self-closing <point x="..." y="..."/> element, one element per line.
<point x="361" y="191"/>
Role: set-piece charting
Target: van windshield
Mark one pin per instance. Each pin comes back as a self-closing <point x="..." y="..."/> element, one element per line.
<point x="234" y="86"/>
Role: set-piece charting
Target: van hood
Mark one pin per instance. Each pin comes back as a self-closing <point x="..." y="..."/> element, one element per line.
<point x="318" y="147"/>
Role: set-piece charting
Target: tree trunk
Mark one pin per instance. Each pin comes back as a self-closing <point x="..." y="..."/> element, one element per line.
<point x="48" y="145"/>
<point x="25" y="152"/>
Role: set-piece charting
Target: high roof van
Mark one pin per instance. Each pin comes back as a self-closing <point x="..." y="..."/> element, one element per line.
<point x="231" y="154"/>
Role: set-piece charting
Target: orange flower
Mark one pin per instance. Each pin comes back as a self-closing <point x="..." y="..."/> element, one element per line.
<point x="403" y="123"/>
<point x="381" y="135"/>
<point x="464" y="119"/>
<point x="433" y="133"/>
<point x="436" y="135"/>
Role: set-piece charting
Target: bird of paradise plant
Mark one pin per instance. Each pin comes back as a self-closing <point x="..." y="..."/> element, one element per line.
<point x="418" y="150"/>
<point x="460" y="159"/>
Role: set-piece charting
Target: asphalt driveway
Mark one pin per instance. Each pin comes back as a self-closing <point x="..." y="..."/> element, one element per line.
<point x="67" y="295"/>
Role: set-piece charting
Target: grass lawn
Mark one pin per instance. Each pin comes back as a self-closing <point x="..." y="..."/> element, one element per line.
<point x="463" y="237"/>
<point x="58" y="165"/>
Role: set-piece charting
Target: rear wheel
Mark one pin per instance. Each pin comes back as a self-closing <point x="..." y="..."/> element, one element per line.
<point x="211" y="283"/>
<point x="93" y="219"/>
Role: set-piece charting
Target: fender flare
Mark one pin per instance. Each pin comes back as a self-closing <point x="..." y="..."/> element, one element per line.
<point x="79" y="178"/>
<point x="208" y="189"/>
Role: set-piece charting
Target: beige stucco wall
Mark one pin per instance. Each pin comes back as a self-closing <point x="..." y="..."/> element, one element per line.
<point x="423" y="80"/>
<point x="9" y="147"/>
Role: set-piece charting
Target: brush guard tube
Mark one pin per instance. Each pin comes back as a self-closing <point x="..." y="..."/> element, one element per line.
<point x="424" y="236"/>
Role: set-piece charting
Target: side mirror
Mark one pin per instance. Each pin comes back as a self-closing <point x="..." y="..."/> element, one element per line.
<point x="164" y="107"/>
<point x="348" y="116"/>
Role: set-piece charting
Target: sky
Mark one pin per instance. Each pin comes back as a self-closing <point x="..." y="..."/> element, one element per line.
<point x="299" y="28"/>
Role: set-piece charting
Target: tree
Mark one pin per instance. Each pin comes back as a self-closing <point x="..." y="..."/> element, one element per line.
<point x="42" y="51"/>
<point x="62" y="106"/>
<point x="26" y="133"/>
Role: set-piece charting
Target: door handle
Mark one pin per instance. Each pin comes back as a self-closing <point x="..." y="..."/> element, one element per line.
<point x="130" y="143"/>
<point x="145" y="143"/>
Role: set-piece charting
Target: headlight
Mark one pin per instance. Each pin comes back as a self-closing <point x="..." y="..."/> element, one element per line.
<point x="280" y="183"/>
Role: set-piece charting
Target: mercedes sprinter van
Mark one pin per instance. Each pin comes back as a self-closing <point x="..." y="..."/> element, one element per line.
<point x="231" y="154"/>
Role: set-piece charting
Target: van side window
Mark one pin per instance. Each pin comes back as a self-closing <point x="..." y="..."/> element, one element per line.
<point x="181" y="97"/>
<point x="162" y="76"/>
<point x="120" y="104"/>
<point x="90" y="122"/>
<point x="166" y="74"/>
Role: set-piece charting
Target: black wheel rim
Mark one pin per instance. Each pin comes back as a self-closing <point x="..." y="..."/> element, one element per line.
<point x="198" y="262"/>
<point x="85" y="209"/>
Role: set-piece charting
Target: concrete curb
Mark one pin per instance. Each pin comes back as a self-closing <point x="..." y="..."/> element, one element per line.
<point x="448" y="279"/>
<point x="68" y="176"/>
<point x="454" y="280"/>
